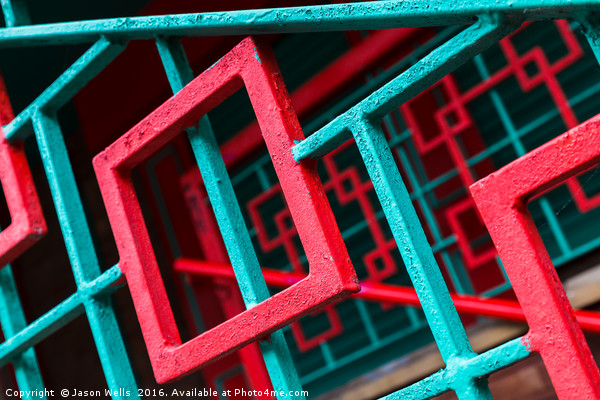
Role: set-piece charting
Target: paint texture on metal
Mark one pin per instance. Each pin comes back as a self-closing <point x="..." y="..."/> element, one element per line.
<point x="27" y="224"/>
<point x="502" y="199"/>
<point x="323" y="18"/>
<point x="362" y="122"/>
<point x="179" y="73"/>
<point x="331" y="274"/>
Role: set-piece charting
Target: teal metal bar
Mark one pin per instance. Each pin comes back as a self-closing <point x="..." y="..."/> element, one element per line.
<point x="12" y="321"/>
<point x="337" y="17"/>
<point x="58" y="317"/>
<point x="253" y="288"/>
<point x="15" y="13"/>
<point x="363" y="122"/>
<point x="591" y="26"/>
<point x="412" y="243"/>
<point x="419" y="77"/>
<point x="66" y="86"/>
<point x="80" y="248"/>
<point x="451" y="378"/>
<point x="396" y="203"/>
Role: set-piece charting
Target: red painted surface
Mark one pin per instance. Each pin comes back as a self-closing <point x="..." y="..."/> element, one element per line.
<point x="343" y="72"/>
<point x="547" y="74"/>
<point x="392" y="294"/>
<point x="27" y="224"/>
<point x="446" y="134"/>
<point x="502" y="200"/>
<point x="331" y="274"/>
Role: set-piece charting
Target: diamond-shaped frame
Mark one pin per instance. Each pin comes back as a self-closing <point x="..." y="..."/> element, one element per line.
<point x="331" y="275"/>
<point x="502" y="199"/>
<point x="27" y="224"/>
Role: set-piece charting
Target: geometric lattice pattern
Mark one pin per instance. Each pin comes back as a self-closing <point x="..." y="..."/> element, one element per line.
<point x="421" y="134"/>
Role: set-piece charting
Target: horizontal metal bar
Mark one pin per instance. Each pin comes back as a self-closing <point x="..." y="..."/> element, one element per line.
<point x="66" y="85"/>
<point x="58" y="317"/>
<point x="496" y="308"/>
<point x="336" y="17"/>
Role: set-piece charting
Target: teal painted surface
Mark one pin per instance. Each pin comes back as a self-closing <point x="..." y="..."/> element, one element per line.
<point x="15" y="13"/>
<point x="362" y="121"/>
<point x="379" y="14"/>
<point x="12" y="320"/>
<point x="231" y="222"/>
<point x="66" y="86"/>
<point x="91" y="284"/>
<point x="80" y="248"/>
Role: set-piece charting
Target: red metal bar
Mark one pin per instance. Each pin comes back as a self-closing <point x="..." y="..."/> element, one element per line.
<point x="502" y="199"/>
<point x="497" y="308"/>
<point x="27" y="224"/>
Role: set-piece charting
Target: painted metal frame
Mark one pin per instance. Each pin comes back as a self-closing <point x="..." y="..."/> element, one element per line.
<point x="331" y="274"/>
<point x="502" y="200"/>
<point x="465" y="371"/>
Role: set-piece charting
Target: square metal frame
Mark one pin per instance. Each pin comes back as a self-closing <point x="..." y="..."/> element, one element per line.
<point x="331" y="275"/>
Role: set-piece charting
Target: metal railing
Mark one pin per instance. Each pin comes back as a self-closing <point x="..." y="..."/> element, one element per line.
<point x="331" y="275"/>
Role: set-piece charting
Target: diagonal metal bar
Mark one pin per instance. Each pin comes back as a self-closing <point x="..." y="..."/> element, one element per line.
<point x="431" y="68"/>
<point x="362" y="122"/>
<point x="66" y="85"/>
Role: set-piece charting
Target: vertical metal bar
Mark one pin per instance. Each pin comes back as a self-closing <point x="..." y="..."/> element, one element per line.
<point x="12" y="320"/>
<point x="239" y="246"/>
<point x="82" y="256"/>
<point x="412" y="242"/>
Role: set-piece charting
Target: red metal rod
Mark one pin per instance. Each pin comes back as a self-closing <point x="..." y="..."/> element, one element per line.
<point x="489" y="307"/>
